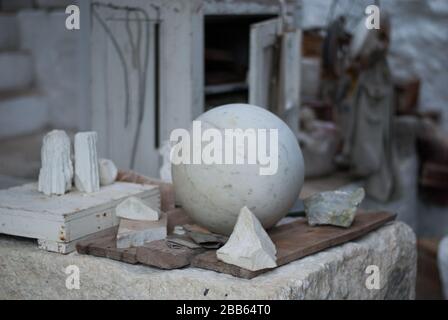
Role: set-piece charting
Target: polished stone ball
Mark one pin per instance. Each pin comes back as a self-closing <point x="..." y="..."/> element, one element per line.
<point x="264" y="173"/>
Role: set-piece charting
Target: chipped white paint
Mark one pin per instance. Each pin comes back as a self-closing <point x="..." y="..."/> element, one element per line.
<point x="134" y="209"/>
<point x="58" y="222"/>
<point x="214" y="194"/>
<point x="108" y="172"/>
<point x="180" y="66"/>
<point x="249" y="246"/>
<point x="86" y="162"/>
<point x="133" y="233"/>
<point x="56" y="173"/>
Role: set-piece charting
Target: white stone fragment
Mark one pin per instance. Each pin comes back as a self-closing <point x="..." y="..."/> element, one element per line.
<point x="179" y="230"/>
<point x="336" y="208"/>
<point x="134" y="233"/>
<point x="134" y="209"/>
<point x="249" y="246"/>
<point x="56" y="173"/>
<point x="108" y="172"/>
<point x="86" y="162"/>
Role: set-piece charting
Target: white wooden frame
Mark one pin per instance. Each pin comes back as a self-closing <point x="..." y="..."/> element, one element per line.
<point x="180" y="78"/>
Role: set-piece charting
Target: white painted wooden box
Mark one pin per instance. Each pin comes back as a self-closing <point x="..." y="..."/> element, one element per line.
<point x="58" y="222"/>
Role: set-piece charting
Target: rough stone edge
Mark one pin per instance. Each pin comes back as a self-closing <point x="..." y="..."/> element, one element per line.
<point x="312" y="277"/>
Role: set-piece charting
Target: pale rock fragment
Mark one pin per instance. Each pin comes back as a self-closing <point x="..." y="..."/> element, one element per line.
<point x="249" y="245"/>
<point x="135" y="209"/>
<point x="108" y="172"/>
<point x="86" y="162"/>
<point x="56" y="173"/>
<point x="336" y="208"/>
<point x="134" y="233"/>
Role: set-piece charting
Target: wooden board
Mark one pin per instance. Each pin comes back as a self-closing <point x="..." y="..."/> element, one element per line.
<point x="296" y="240"/>
<point x="164" y="255"/>
<point x="293" y="241"/>
<point x="103" y="244"/>
<point x="58" y="221"/>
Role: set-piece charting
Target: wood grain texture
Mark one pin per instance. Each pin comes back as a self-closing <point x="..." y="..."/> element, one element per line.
<point x="293" y="241"/>
<point x="164" y="255"/>
<point x="104" y="244"/>
<point x="296" y="240"/>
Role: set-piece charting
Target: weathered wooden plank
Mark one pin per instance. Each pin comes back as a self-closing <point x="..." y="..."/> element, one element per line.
<point x="293" y="241"/>
<point x="165" y="255"/>
<point x="103" y="243"/>
<point x="297" y="239"/>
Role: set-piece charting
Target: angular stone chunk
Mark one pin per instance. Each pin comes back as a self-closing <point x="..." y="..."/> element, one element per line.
<point x="56" y="173"/>
<point x="249" y="246"/>
<point x="336" y="208"/>
<point x="86" y="162"/>
<point x="134" y="209"/>
<point x="108" y="172"/>
<point x="134" y="233"/>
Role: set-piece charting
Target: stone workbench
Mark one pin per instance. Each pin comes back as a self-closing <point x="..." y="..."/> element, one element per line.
<point x="336" y="273"/>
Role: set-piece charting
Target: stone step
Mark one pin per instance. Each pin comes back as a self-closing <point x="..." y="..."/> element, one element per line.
<point x="23" y="114"/>
<point x="9" y="32"/>
<point x="17" y="71"/>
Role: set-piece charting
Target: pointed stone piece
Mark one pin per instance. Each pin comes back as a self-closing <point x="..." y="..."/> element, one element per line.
<point x="249" y="245"/>
<point x="56" y="173"/>
<point x="134" y="233"/>
<point x="86" y="162"/>
<point x="108" y="172"/>
<point x="336" y="208"/>
<point x="134" y="209"/>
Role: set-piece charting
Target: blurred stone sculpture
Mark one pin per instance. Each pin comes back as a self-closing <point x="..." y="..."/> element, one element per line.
<point x="443" y="264"/>
<point x="56" y="173"/>
<point x="368" y="148"/>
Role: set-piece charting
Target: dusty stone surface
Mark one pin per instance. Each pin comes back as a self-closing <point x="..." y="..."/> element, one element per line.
<point x="336" y="273"/>
<point x="55" y="176"/>
<point x="249" y="246"/>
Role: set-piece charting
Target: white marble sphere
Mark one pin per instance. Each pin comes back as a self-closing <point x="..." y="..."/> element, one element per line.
<point x="213" y="194"/>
